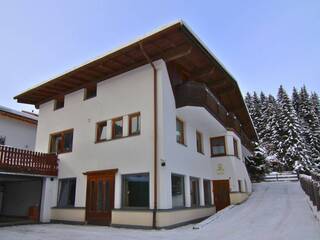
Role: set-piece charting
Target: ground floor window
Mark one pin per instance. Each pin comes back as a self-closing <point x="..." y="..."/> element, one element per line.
<point x="194" y="192"/>
<point x="67" y="192"/>
<point x="207" y="192"/>
<point x="135" y="191"/>
<point x="239" y="185"/>
<point x="177" y="189"/>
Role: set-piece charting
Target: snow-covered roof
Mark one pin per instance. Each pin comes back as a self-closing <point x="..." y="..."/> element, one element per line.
<point x="30" y="117"/>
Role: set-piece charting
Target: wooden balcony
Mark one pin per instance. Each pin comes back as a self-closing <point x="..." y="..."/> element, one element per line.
<point x="197" y="94"/>
<point x="28" y="162"/>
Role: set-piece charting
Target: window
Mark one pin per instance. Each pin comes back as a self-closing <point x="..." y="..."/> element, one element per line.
<point x="117" y="127"/>
<point x="90" y="91"/>
<point x="194" y="191"/>
<point x="218" y="146"/>
<point x="67" y="192"/>
<point x="207" y="192"/>
<point x="239" y="186"/>
<point x="180" y="131"/>
<point x="134" y="124"/>
<point x="101" y="131"/>
<point x="59" y="103"/>
<point x="2" y="140"/>
<point x="135" y="190"/>
<point x="177" y="189"/>
<point x="235" y="148"/>
<point x="61" y="142"/>
<point x="199" y="142"/>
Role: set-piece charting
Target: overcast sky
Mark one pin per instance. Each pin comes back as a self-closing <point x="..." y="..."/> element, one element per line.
<point x="262" y="43"/>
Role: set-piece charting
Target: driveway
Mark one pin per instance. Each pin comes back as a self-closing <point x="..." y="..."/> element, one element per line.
<point x="274" y="211"/>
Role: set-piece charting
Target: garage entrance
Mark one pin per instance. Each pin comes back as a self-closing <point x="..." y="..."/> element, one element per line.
<point x="20" y="199"/>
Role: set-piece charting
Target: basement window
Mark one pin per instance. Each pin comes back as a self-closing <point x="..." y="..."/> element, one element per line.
<point x="135" y="190"/>
<point x="61" y="142"/>
<point x="66" y="192"/>
<point x="59" y="103"/>
<point x="90" y="91"/>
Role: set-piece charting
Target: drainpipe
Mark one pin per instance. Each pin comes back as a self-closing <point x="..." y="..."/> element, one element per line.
<point x="155" y="115"/>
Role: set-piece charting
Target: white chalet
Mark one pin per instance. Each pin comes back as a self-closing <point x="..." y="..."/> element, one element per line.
<point x="152" y="135"/>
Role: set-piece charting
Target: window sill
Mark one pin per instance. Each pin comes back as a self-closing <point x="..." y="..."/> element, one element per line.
<point x="224" y="155"/>
<point x="133" y="209"/>
<point x="113" y="139"/>
<point x="60" y="152"/>
<point x="182" y="144"/>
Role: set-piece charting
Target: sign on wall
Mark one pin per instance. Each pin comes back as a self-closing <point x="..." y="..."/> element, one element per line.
<point x="220" y="169"/>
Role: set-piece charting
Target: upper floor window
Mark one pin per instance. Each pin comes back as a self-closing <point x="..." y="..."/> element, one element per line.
<point x="199" y="142"/>
<point x="117" y="127"/>
<point x="235" y="147"/>
<point x="218" y="146"/>
<point x="134" y="124"/>
<point x="66" y="192"/>
<point x="101" y="131"/>
<point x="61" y="142"/>
<point x="180" y="131"/>
<point x="59" y="103"/>
<point x="90" y="91"/>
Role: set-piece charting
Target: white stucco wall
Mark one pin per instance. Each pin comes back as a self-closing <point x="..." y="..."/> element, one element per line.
<point x="119" y="96"/>
<point x="18" y="134"/>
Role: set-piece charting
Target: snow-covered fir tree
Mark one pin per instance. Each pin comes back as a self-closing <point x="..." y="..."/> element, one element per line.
<point x="292" y="151"/>
<point x="256" y="164"/>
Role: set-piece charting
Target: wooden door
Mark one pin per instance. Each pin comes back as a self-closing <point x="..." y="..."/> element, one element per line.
<point x="221" y="192"/>
<point x="100" y="198"/>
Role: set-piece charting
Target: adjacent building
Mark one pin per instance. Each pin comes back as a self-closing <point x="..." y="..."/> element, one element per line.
<point x="153" y="134"/>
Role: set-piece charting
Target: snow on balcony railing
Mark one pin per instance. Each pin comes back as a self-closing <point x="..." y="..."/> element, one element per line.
<point x="29" y="162"/>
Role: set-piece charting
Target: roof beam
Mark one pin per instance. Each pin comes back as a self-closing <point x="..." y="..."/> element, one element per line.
<point x="202" y="73"/>
<point x="177" y="52"/>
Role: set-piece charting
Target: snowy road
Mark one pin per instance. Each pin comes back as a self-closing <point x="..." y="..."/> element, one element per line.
<point x="274" y="211"/>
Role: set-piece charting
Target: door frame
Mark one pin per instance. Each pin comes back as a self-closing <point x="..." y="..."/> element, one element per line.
<point x="214" y="184"/>
<point x="106" y="172"/>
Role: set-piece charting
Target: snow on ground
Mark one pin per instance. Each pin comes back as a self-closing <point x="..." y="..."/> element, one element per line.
<point x="274" y="211"/>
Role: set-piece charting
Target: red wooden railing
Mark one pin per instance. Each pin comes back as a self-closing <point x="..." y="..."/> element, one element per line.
<point x="29" y="162"/>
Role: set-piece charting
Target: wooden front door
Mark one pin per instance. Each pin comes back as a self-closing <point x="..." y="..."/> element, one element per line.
<point x="100" y="197"/>
<point x="221" y="192"/>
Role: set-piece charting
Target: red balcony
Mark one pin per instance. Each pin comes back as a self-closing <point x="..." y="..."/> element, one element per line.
<point x="28" y="162"/>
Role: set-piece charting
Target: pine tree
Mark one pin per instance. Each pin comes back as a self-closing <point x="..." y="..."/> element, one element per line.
<point x="291" y="148"/>
<point x="296" y="101"/>
<point x="256" y="164"/>
<point x="311" y="124"/>
<point x="316" y="103"/>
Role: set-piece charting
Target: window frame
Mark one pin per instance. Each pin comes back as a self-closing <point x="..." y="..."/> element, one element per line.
<point x="99" y="127"/>
<point x="235" y="148"/>
<point x="197" y="204"/>
<point x="59" y="188"/>
<point x="183" y="190"/>
<point x="225" y="148"/>
<point x="182" y="142"/>
<point x="56" y="103"/>
<point x="201" y="142"/>
<point x="113" y="127"/>
<point x="61" y="145"/>
<point x="130" y="117"/>
<point x="123" y="195"/>
<point x="210" y="192"/>
<point x="90" y="87"/>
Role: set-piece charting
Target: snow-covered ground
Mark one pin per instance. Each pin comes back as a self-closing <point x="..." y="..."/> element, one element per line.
<point x="274" y="211"/>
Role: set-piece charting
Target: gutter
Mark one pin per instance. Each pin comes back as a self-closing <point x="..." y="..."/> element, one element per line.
<point x="155" y="142"/>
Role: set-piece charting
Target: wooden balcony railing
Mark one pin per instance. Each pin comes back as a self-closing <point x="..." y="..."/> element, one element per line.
<point x="28" y="162"/>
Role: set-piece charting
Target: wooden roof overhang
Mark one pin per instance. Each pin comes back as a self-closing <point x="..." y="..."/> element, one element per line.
<point x="18" y="117"/>
<point x="177" y="46"/>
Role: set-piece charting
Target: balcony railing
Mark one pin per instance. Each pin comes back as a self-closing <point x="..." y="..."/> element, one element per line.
<point x="197" y="94"/>
<point x="28" y="162"/>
